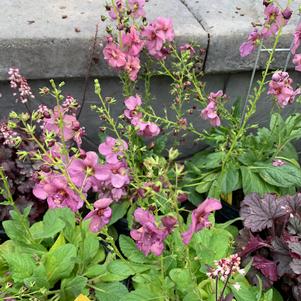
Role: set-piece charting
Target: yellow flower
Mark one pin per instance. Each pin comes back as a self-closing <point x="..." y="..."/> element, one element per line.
<point x="82" y="298"/>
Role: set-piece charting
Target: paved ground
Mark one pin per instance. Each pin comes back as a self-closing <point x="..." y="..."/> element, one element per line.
<point x="51" y="38"/>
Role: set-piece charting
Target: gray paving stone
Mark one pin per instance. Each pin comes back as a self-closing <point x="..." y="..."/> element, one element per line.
<point x="228" y="24"/>
<point x="52" y="38"/>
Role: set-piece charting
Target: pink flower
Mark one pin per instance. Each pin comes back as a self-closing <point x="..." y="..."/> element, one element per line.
<point x="113" y="149"/>
<point x="132" y="67"/>
<point x="297" y="39"/>
<point x="210" y="112"/>
<point x="55" y="189"/>
<point x="119" y="176"/>
<point x="19" y="82"/>
<point x="248" y="47"/>
<point x="132" y="104"/>
<point x="280" y="87"/>
<point x="199" y="218"/>
<point x="145" y="129"/>
<point x="187" y="47"/>
<point x="156" y="34"/>
<point x="71" y="127"/>
<point x="273" y="20"/>
<point x="116" y="10"/>
<point x="287" y="13"/>
<point x="149" y="237"/>
<point x="225" y="267"/>
<point x="87" y="172"/>
<point x="278" y="163"/>
<point x="101" y="215"/>
<point x="8" y="135"/>
<point x="169" y="222"/>
<point x="297" y="62"/>
<point x="114" y="56"/>
<point x="182" y="197"/>
<point x="136" y="7"/>
<point x="131" y="42"/>
<point x="215" y="96"/>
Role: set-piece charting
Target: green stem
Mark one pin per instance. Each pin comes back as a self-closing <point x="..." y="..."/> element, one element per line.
<point x="252" y="103"/>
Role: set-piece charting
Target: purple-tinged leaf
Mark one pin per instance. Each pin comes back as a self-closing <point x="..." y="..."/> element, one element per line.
<point x="294" y="203"/>
<point x="296" y="266"/>
<point x="294" y="226"/>
<point x="267" y="267"/>
<point x="254" y="243"/>
<point x="259" y="213"/>
<point x="281" y="255"/>
<point x="297" y="292"/>
<point x="295" y="247"/>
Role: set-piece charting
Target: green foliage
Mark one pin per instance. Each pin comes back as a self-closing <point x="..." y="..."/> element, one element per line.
<point x="54" y="252"/>
<point x="250" y="167"/>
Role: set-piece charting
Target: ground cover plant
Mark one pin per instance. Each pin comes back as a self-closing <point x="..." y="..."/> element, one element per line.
<point x="131" y="220"/>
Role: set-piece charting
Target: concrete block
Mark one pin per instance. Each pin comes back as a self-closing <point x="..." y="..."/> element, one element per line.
<point x="53" y="38"/>
<point x="228" y="24"/>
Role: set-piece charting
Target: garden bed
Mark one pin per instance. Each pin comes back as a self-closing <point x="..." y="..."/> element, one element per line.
<point x="133" y="220"/>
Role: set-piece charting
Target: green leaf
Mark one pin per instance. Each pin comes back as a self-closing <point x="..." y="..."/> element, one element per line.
<point x="111" y="291"/>
<point x="160" y="144"/>
<point x="208" y="161"/>
<point x="130" y="250"/>
<point x="215" y="190"/>
<point x="252" y="182"/>
<point x="60" y="262"/>
<point x="182" y="279"/>
<point x="230" y="180"/>
<point x="212" y="244"/>
<point x="38" y="277"/>
<point x="124" y="269"/>
<point x="206" y="183"/>
<point x="281" y="176"/>
<point x="118" y="211"/>
<point x="96" y="270"/>
<point x="21" y="266"/>
<point x="244" y="293"/>
<point x="72" y="287"/>
<point x="17" y="229"/>
<point x="60" y="241"/>
<point x="89" y="248"/>
<point x="49" y="227"/>
<point x="140" y="294"/>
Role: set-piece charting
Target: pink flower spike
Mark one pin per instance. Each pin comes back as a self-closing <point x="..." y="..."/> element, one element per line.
<point x="101" y="215"/>
<point x="132" y="67"/>
<point x="19" y="82"/>
<point x="210" y="113"/>
<point x="187" y="47"/>
<point x="281" y="88"/>
<point x="133" y="102"/>
<point x="199" y="218"/>
<point x="157" y="34"/>
<point x="85" y="173"/>
<point x="297" y="39"/>
<point x="149" y="237"/>
<point x="113" y="149"/>
<point x="132" y="42"/>
<point x="114" y="56"/>
<point x="55" y="189"/>
<point x="115" y="10"/>
<point x="137" y="7"/>
<point x="248" y="47"/>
